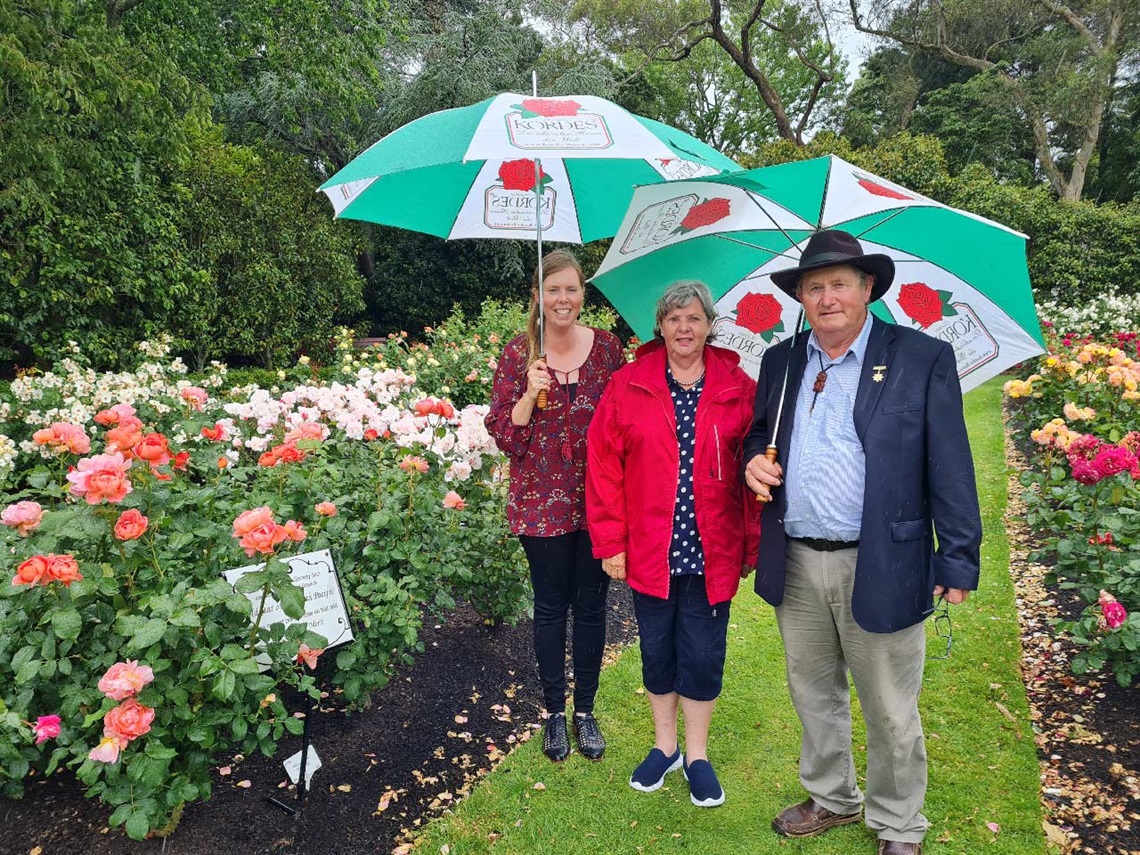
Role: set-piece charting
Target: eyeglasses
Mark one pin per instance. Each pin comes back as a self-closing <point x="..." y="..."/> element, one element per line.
<point x="943" y="629"/>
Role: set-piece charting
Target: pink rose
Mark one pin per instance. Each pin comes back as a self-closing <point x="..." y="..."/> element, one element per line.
<point x="194" y="396"/>
<point x="131" y="525"/>
<point x="154" y="448"/>
<point x="124" y="679"/>
<point x="46" y="727"/>
<point x="107" y="751"/>
<point x="410" y="463"/>
<point x="126" y="436"/>
<point x="102" y="478"/>
<point x="128" y="721"/>
<point x="1114" y="613"/>
<point x="294" y="531"/>
<point x="306" y="430"/>
<point x="25" y="517"/>
<point x="326" y="509"/>
<point x="454" y="501"/>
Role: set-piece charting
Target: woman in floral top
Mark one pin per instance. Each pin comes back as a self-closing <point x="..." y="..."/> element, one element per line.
<point x="547" y="508"/>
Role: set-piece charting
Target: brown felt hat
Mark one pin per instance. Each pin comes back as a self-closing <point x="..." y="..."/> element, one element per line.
<point x="831" y="247"/>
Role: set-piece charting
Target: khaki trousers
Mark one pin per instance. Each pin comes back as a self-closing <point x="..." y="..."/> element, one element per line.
<point x="822" y="642"/>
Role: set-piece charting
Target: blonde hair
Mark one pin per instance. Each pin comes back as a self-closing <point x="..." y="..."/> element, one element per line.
<point x="552" y="262"/>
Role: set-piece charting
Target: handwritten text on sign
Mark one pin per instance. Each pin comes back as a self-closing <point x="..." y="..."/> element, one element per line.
<point x="325" y="611"/>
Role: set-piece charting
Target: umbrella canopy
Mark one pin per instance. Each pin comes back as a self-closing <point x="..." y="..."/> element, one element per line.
<point x="470" y="172"/>
<point x="959" y="277"/>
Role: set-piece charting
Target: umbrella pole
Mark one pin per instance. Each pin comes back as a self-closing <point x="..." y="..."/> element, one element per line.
<point x="542" y="396"/>
<point x="772" y="451"/>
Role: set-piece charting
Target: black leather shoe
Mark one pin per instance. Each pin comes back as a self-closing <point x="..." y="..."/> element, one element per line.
<point x="591" y="743"/>
<point x="897" y="847"/>
<point x="555" y="739"/>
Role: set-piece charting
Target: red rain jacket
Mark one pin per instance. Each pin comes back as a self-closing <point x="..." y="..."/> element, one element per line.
<point x="632" y="467"/>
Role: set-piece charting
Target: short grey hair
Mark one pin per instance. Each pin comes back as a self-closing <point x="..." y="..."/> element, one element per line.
<point x="681" y="294"/>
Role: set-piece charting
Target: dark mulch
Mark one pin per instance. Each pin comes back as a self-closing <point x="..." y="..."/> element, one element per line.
<point x="428" y="736"/>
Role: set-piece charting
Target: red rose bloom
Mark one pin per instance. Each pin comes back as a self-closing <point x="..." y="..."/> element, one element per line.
<point x="706" y="213"/>
<point x="879" y="190"/>
<point x="519" y="174"/>
<point x="758" y="313"/>
<point x="549" y="107"/>
<point x="921" y="303"/>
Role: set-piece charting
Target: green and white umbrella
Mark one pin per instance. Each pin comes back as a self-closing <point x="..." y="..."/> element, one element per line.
<point x="959" y="277"/>
<point x="471" y="173"/>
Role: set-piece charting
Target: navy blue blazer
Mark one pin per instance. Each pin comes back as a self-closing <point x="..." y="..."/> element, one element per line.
<point x="921" y="526"/>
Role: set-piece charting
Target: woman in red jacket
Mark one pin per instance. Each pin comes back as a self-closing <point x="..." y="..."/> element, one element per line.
<point x="547" y="508"/>
<point x="669" y="515"/>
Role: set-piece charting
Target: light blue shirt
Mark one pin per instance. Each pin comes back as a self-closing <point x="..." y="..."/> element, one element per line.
<point x="826" y="469"/>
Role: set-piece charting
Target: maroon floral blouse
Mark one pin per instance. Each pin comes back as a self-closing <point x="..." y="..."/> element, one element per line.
<point x="548" y="455"/>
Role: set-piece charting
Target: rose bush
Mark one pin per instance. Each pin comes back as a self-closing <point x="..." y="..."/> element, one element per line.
<point x="1083" y="490"/>
<point x="124" y="653"/>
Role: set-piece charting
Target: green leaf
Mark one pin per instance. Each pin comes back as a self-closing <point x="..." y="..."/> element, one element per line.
<point x="292" y="600"/>
<point x="28" y="671"/>
<point x="151" y="633"/>
<point x="66" y="623"/>
<point x="138" y="825"/>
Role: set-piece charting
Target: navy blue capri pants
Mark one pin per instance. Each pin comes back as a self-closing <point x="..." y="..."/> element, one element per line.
<point x="683" y="640"/>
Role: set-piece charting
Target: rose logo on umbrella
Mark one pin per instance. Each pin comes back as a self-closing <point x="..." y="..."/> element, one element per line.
<point x="761" y="314"/>
<point x="704" y="214"/>
<point x="520" y="174"/>
<point x="532" y="108"/>
<point x="877" y="189"/>
<point x="923" y="305"/>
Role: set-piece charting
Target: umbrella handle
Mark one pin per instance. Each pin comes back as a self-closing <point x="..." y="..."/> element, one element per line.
<point x="541" y="402"/>
<point x="770" y="454"/>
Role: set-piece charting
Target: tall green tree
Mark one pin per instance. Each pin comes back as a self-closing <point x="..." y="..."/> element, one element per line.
<point x="1058" y="63"/>
<point x="273" y="274"/>
<point x="780" y="49"/>
<point x="91" y="128"/>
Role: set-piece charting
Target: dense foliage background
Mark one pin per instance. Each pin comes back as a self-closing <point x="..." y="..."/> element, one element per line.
<point x="160" y="156"/>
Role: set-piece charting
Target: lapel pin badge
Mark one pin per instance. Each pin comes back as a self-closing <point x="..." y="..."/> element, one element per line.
<point x="879" y="373"/>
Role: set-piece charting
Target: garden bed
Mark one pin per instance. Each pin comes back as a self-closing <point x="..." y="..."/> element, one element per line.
<point x="428" y="736"/>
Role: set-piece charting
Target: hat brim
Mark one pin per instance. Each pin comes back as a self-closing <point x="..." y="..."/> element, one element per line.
<point x="881" y="267"/>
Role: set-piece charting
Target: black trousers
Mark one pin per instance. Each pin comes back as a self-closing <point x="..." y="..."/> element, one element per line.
<point x="567" y="578"/>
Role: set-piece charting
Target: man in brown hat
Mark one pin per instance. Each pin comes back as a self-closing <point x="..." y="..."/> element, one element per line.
<point x="873" y="462"/>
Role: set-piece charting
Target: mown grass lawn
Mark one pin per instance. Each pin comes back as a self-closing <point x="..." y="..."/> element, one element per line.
<point x="983" y="764"/>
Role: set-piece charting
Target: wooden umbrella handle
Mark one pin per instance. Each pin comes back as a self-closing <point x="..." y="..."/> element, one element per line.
<point x="770" y="454"/>
<point x="542" y="397"/>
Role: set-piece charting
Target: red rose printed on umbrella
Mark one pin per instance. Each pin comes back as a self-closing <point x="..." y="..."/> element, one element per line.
<point x="923" y="305"/>
<point x="879" y="190"/>
<point x="704" y="214"/>
<point x="519" y="174"/>
<point x="761" y="314"/>
<point x="548" y="108"/>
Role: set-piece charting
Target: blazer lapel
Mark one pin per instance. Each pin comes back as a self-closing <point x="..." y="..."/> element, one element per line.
<point x="876" y="366"/>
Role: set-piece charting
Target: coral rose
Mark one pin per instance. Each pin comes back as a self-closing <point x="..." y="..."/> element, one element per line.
<point x="125" y="679"/>
<point x="102" y="478"/>
<point x="25" y="517"/>
<point x="126" y="436"/>
<point x="32" y="571"/>
<point x="454" y="501"/>
<point x="263" y="539"/>
<point x="63" y="568"/>
<point x="154" y="448"/>
<point x="294" y="531"/>
<point x="309" y="655"/>
<point x="131" y="525"/>
<point x="411" y="463"/>
<point x="217" y="433"/>
<point x="128" y="721"/>
<point x="250" y="520"/>
<point x="326" y="509"/>
<point x="306" y="430"/>
<point x="371" y="434"/>
<point x="47" y="727"/>
<point x="63" y="436"/>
